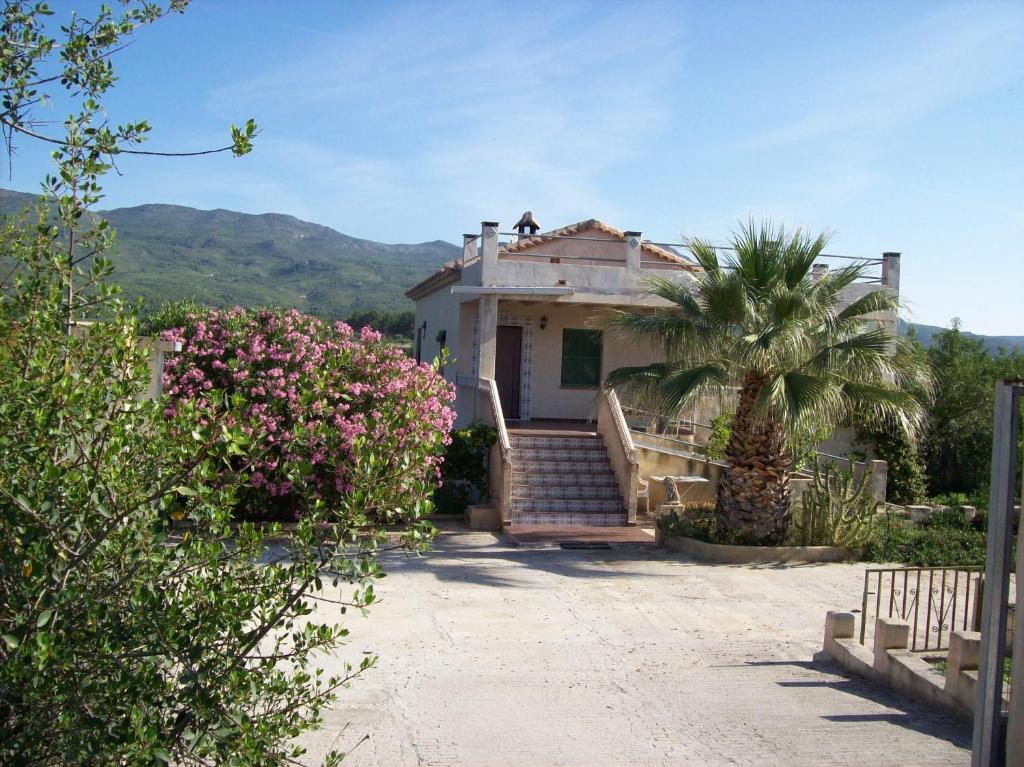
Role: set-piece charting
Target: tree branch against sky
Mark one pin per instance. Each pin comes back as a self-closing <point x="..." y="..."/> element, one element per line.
<point x="39" y="64"/>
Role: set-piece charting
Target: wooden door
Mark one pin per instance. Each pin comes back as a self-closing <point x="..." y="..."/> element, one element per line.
<point x="508" y="363"/>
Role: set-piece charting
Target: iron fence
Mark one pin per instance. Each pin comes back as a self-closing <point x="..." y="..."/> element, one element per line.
<point x="935" y="601"/>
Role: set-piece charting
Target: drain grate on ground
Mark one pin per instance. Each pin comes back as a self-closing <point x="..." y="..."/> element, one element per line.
<point x="583" y="545"/>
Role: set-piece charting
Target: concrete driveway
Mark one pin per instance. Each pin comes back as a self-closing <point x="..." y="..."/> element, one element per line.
<point x="492" y="655"/>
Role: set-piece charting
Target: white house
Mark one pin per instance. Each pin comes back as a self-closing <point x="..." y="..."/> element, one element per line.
<point x="519" y="317"/>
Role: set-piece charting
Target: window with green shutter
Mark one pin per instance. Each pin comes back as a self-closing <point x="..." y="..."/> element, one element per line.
<point x="581" y="358"/>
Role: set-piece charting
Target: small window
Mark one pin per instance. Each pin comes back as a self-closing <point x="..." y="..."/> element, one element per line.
<point x="581" y="358"/>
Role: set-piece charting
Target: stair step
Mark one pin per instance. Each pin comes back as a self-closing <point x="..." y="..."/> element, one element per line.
<point x="560" y="443"/>
<point x="563" y="479"/>
<point x="568" y="492"/>
<point x="560" y="454"/>
<point x="569" y="468"/>
<point x="579" y="505"/>
<point x="569" y="519"/>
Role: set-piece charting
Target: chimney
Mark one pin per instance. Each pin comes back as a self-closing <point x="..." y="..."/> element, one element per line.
<point x="526" y="222"/>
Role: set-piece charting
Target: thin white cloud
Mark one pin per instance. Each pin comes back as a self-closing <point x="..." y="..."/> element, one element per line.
<point x="481" y="112"/>
<point x="904" y="75"/>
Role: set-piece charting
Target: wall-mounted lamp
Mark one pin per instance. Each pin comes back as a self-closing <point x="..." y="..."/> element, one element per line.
<point x="543" y="321"/>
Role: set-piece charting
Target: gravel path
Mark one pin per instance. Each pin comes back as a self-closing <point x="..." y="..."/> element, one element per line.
<point x="492" y="655"/>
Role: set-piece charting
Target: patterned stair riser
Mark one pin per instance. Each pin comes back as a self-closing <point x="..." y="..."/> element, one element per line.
<point x="567" y="492"/>
<point x="559" y="443"/>
<point x="562" y="479"/>
<point x="561" y="467"/>
<point x="569" y="519"/>
<point x="560" y="454"/>
<point x="575" y="505"/>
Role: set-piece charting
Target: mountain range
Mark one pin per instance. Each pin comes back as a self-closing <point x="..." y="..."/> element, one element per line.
<point x="223" y="258"/>
<point x="925" y="333"/>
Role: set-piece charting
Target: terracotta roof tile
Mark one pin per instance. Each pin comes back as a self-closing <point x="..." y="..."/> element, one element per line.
<point x="592" y="224"/>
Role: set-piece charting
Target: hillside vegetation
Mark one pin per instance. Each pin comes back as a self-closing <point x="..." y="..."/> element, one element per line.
<point x="223" y="258"/>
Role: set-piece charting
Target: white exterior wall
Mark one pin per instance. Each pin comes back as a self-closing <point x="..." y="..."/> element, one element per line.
<point x="441" y="312"/>
<point x="595" y="285"/>
<point x="547" y="397"/>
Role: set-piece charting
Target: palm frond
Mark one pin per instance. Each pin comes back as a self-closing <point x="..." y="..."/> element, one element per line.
<point x="870" y="303"/>
<point x="795" y="398"/>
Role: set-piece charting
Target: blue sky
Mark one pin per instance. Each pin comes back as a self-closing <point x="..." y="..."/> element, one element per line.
<point x="897" y="126"/>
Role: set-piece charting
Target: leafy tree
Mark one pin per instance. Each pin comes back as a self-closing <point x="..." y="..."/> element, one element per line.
<point x="36" y="69"/>
<point x="140" y="622"/>
<point x="758" y="320"/>
<point x="957" y="447"/>
<point x="391" y="324"/>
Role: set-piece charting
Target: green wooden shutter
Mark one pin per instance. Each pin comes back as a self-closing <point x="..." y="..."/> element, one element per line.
<point x="581" y="358"/>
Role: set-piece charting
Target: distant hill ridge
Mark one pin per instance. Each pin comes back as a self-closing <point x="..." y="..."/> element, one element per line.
<point x="222" y="257"/>
<point x="925" y="334"/>
<point x="225" y="258"/>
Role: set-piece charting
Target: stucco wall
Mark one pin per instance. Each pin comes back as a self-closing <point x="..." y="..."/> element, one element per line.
<point x="547" y="397"/>
<point x="441" y="312"/>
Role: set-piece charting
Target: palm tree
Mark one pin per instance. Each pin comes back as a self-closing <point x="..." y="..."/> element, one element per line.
<point x="762" y="322"/>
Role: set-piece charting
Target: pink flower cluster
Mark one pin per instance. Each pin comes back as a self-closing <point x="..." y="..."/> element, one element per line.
<point x="333" y="415"/>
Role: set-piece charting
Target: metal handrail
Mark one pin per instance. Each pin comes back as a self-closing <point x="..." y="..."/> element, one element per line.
<point x="542" y="236"/>
<point x="729" y="247"/>
<point x="508" y="255"/>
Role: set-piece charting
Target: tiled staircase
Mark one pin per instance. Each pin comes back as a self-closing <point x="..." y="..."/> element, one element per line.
<point x="563" y="479"/>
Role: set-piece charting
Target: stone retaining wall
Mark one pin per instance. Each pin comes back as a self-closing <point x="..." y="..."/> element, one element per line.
<point x="890" y="663"/>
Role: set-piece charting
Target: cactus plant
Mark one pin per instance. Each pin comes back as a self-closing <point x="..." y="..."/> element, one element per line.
<point x="834" y="509"/>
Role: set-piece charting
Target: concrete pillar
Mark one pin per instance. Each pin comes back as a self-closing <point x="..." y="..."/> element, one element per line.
<point x="889" y="635"/>
<point x="633" y="245"/>
<point x="879" y="479"/>
<point x="1015" y="714"/>
<point x="838" y="625"/>
<point x="964" y="651"/>
<point x="891" y="271"/>
<point x="469" y="247"/>
<point x="488" y="252"/>
<point x="488" y="332"/>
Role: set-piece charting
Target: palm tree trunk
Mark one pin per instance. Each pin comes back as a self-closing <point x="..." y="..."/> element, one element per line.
<point x="753" y="492"/>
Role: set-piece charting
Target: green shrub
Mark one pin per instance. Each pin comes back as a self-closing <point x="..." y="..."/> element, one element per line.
<point x="718" y="440"/>
<point x="947" y="539"/>
<point x="464" y="470"/>
<point x="834" y="510"/>
<point x="906" y="477"/>
<point x="700" y="521"/>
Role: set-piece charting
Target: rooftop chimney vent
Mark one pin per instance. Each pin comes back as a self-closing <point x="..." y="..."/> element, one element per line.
<point x="526" y="222"/>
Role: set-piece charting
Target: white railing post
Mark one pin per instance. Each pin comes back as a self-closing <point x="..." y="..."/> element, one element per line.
<point x="633" y="246"/>
<point x="500" y="473"/>
<point x="468" y="247"/>
<point x="891" y="271"/>
<point x="488" y="252"/>
<point x="612" y="426"/>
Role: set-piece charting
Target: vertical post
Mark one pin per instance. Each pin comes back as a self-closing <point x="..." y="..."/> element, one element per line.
<point x="1015" y="723"/>
<point x="988" y="746"/>
<point x="468" y="247"/>
<point x="488" y="324"/>
<point x="633" y="245"/>
<point x="891" y="271"/>
<point x="488" y="252"/>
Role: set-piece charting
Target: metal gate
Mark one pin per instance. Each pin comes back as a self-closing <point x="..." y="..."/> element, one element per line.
<point x="935" y="601"/>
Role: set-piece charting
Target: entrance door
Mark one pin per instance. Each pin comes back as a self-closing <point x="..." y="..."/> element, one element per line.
<point x="508" y="361"/>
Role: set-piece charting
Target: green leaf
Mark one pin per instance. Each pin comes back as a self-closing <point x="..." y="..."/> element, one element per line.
<point x="12" y="641"/>
<point x="44" y="618"/>
<point x="182" y="490"/>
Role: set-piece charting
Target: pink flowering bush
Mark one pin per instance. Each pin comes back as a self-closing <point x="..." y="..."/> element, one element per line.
<point x="335" y="418"/>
